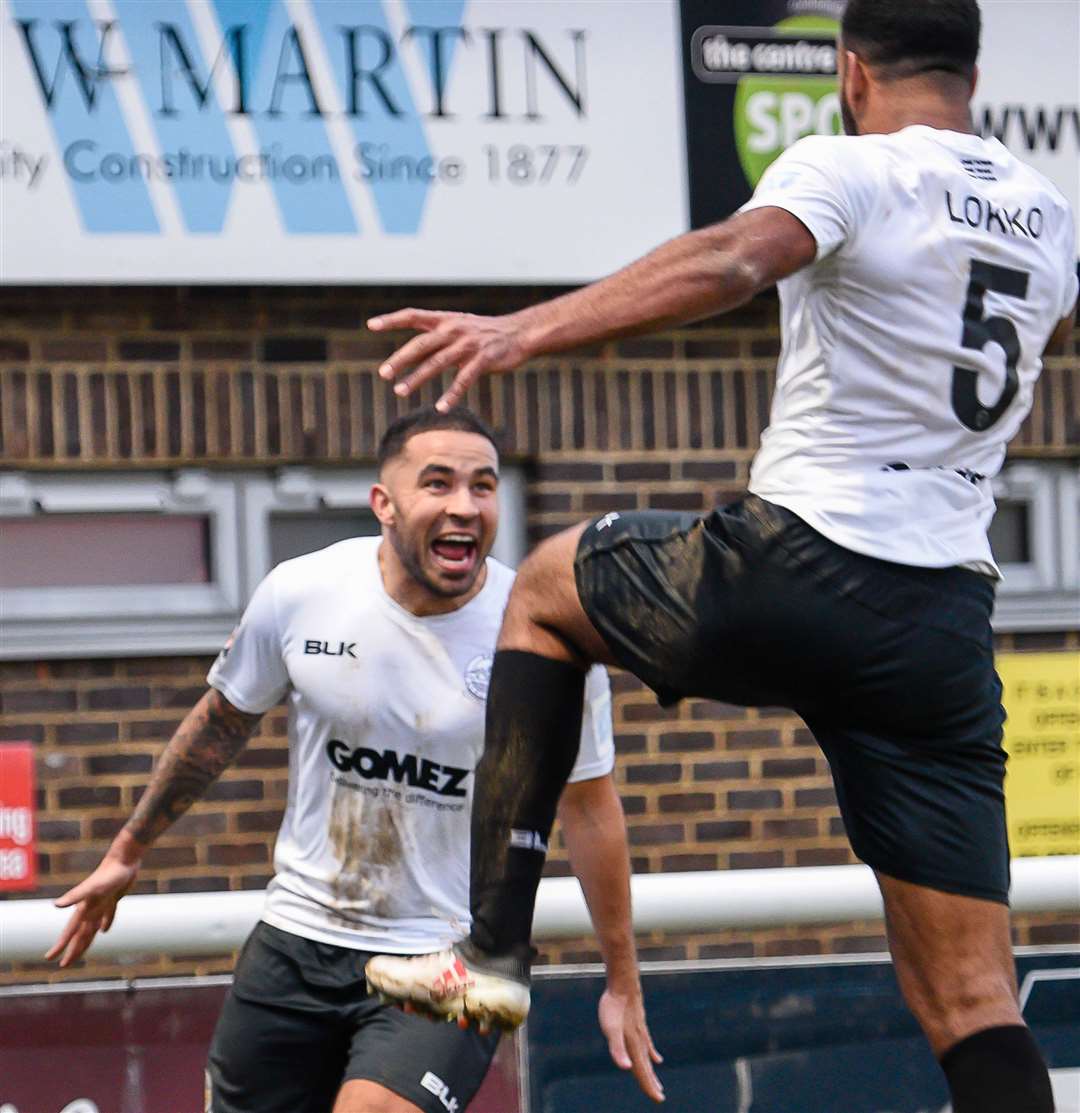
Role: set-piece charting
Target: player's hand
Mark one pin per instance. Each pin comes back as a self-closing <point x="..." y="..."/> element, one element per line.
<point x="622" y="1020"/>
<point x="470" y="345"/>
<point x="94" y="901"/>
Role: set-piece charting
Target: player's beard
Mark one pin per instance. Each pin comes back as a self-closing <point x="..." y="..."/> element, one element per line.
<point x="847" y="116"/>
<point x="411" y="556"/>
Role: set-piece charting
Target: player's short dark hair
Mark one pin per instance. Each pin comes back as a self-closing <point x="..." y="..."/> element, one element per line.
<point x="908" y="37"/>
<point x="424" y="420"/>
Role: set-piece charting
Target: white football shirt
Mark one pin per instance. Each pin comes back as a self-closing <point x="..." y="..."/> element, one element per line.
<point x="911" y="346"/>
<point x="386" y="726"/>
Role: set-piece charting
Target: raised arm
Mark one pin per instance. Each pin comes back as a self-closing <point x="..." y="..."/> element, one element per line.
<point x="205" y="743"/>
<point x="696" y="275"/>
<point x="595" y="831"/>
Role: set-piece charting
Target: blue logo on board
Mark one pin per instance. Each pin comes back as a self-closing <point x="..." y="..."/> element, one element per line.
<point x="207" y="96"/>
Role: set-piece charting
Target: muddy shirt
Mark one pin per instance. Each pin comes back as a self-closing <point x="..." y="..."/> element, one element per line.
<point x="386" y="726"/>
<point x="912" y="345"/>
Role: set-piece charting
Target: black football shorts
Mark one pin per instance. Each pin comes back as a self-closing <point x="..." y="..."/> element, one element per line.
<point x="891" y="667"/>
<point x="298" y="1022"/>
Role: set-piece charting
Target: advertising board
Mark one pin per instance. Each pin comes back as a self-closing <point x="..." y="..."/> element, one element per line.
<point x="1041" y="694"/>
<point x="434" y="141"/>
<point x="812" y="1035"/>
<point x="336" y="140"/>
<point x="18" y="854"/>
<point x="760" y="74"/>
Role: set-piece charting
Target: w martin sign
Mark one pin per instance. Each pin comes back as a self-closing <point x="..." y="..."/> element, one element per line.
<point x="336" y="140"/>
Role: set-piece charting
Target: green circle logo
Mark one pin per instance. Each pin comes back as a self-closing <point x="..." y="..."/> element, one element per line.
<point x="773" y="111"/>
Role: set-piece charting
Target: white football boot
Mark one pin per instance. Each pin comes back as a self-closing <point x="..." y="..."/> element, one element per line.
<point x="461" y="983"/>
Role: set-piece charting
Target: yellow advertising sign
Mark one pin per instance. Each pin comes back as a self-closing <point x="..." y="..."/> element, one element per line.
<point x="1042" y="736"/>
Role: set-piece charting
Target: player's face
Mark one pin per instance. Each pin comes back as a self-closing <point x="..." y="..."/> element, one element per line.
<point x="438" y="505"/>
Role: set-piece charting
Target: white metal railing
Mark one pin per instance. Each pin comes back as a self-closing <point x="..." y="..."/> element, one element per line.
<point x="216" y="923"/>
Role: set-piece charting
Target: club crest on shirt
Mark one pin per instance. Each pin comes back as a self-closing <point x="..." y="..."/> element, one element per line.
<point x="478" y="675"/>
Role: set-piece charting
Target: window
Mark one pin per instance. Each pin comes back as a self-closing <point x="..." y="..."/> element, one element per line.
<point x="1010" y="533"/>
<point x="1069" y="520"/>
<point x="298" y="510"/>
<point x="1022" y="533"/>
<point x="149" y="563"/>
<point x="295" y="533"/>
<point x="1035" y="537"/>
<point x="101" y="550"/>
<point x="97" y="565"/>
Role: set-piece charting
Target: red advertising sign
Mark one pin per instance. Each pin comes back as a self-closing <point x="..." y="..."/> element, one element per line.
<point x="139" y="1048"/>
<point x="18" y="856"/>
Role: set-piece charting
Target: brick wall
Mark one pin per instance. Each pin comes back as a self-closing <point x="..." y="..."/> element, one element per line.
<point x="113" y="378"/>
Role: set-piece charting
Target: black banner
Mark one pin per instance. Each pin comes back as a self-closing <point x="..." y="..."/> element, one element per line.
<point x="758" y="76"/>
<point x="795" y="1036"/>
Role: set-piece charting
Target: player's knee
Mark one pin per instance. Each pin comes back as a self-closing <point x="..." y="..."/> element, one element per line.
<point x="523" y="608"/>
<point x="544" y="614"/>
<point x="358" y="1096"/>
<point x="531" y="574"/>
<point x="544" y="577"/>
<point x="554" y="556"/>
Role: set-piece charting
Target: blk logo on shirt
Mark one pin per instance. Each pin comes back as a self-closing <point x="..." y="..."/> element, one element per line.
<point x="330" y="649"/>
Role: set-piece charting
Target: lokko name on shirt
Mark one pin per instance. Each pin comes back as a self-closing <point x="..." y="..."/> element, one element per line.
<point x="385" y="765"/>
<point x="977" y="212"/>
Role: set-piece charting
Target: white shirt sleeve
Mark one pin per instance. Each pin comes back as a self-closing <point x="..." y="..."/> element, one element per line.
<point x="824" y="182"/>
<point x="250" y="671"/>
<point x="596" y="755"/>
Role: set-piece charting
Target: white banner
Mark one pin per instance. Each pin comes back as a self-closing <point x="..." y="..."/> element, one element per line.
<point x="407" y="141"/>
<point x="1028" y="94"/>
<point x="337" y="140"/>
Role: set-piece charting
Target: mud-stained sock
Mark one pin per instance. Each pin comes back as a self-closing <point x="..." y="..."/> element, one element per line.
<point x="531" y="742"/>
<point x="998" y="1070"/>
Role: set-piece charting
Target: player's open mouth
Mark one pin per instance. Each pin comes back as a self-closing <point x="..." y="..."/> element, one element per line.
<point x="454" y="552"/>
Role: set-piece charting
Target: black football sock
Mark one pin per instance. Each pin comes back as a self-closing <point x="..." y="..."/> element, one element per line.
<point x="531" y="742"/>
<point x="998" y="1070"/>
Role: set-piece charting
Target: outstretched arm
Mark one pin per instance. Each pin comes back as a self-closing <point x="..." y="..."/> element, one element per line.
<point x="595" y="831"/>
<point x="205" y="743"/>
<point x="696" y="275"/>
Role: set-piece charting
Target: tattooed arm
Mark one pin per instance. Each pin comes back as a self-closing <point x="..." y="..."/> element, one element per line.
<point x="205" y="743"/>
